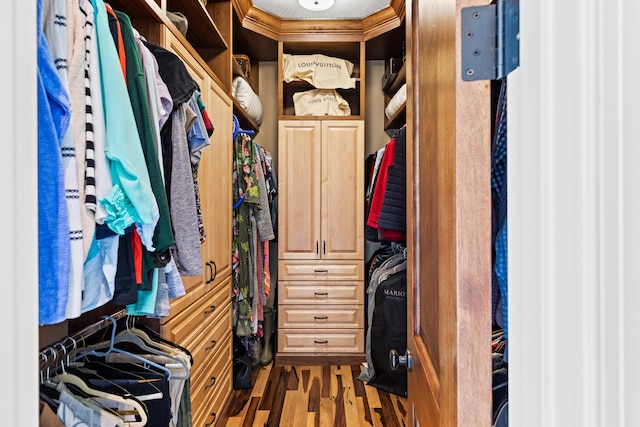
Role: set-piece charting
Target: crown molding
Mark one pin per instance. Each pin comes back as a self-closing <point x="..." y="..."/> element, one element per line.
<point x="280" y="29"/>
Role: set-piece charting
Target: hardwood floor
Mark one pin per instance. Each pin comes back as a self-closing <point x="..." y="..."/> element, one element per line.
<point x="313" y="396"/>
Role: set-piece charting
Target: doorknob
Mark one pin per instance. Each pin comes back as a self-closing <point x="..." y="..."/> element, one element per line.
<point x="395" y="360"/>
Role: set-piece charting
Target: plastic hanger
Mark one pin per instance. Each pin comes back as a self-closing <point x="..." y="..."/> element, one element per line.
<point x="150" y="335"/>
<point x="237" y="130"/>
<point x="127" y="336"/>
<point x="112" y="349"/>
<point x="67" y="378"/>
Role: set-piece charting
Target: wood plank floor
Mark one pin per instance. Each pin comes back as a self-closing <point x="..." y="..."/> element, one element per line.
<point x="313" y="396"/>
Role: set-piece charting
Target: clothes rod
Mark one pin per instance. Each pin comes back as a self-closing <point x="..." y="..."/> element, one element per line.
<point x="57" y="353"/>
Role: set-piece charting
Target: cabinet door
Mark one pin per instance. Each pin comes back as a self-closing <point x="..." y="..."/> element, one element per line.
<point x="215" y="186"/>
<point x="201" y="77"/>
<point x="299" y="190"/>
<point x="342" y="190"/>
<point x="448" y="225"/>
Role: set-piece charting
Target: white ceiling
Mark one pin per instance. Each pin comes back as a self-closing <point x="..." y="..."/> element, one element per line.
<point x="342" y="9"/>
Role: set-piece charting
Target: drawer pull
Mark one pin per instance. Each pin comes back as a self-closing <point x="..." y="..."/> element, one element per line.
<point x="213" y="344"/>
<point x="320" y="317"/>
<point x="321" y="294"/>
<point x="210" y="310"/>
<point x="321" y="271"/>
<point x="213" y="382"/>
<point x="213" y="414"/>
<point x="321" y="342"/>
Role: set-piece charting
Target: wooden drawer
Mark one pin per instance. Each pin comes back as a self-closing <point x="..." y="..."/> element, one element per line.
<point x="320" y="270"/>
<point x="326" y="341"/>
<point x="199" y="314"/>
<point x="210" y="412"/>
<point x="204" y="385"/>
<point x="211" y="337"/>
<point x="320" y="316"/>
<point x="312" y="292"/>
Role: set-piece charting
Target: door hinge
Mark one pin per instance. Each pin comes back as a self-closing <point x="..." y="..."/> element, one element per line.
<point x="490" y="40"/>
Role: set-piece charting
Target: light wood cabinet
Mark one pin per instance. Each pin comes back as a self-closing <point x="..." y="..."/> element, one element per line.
<point x="321" y="190"/>
<point x="321" y="238"/>
<point x="201" y="320"/>
<point x="215" y="176"/>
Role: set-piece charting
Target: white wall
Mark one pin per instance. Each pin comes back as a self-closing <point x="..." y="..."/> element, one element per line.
<point x="18" y="256"/>
<point x="374" y="134"/>
<point x="574" y="206"/>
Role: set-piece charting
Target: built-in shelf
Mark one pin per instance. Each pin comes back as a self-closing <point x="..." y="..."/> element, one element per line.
<point x="202" y="31"/>
<point x="353" y="51"/>
<point x="246" y="121"/>
<point x="142" y="9"/>
<point x="237" y="70"/>
<point x="398" y="120"/>
<point x="400" y="79"/>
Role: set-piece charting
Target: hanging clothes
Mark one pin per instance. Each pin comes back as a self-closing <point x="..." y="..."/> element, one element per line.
<point x="53" y="226"/>
<point x="54" y="22"/>
<point x="133" y="200"/>
<point x="253" y="192"/>
<point x="125" y="242"/>
<point x="499" y="204"/>
<point x="246" y="189"/>
<point x="394" y="205"/>
<point x="394" y="195"/>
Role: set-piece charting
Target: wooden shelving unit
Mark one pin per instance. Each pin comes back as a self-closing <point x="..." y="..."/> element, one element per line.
<point x="351" y="51"/>
<point x="399" y="119"/>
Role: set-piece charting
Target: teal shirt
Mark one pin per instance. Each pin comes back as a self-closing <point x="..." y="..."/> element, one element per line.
<point x="123" y="147"/>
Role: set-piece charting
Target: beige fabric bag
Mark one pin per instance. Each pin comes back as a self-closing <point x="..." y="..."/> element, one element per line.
<point x="323" y="72"/>
<point x="320" y="102"/>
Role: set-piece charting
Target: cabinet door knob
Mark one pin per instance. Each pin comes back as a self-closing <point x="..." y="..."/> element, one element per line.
<point x="320" y="317"/>
<point x="321" y="342"/>
<point x="213" y="344"/>
<point x="210" y="310"/>
<point x="321" y="294"/>
<point x="317" y="247"/>
<point x="321" y="271"/>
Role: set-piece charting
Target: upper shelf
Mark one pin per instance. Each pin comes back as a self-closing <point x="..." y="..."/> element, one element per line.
<point x="202" y="32"/>
<point x="246" y="122"/>
<point x="398" y="120"/>
<point x="399" y="80"/>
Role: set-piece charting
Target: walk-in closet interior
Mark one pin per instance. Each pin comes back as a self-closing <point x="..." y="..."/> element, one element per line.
<point x="242" y="200"/>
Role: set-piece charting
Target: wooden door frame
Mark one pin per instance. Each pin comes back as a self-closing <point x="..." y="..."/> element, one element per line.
<point x="449" y="222"/>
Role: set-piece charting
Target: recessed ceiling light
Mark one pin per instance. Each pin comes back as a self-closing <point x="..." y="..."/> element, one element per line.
<point x="316" y="5"/>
